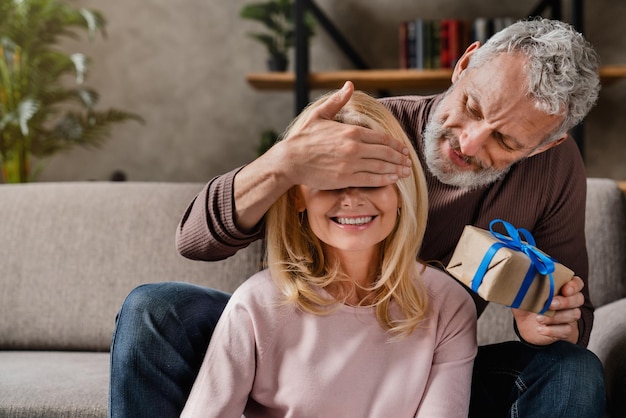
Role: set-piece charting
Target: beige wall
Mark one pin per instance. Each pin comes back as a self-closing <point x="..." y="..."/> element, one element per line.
<point x="182" y="65"/>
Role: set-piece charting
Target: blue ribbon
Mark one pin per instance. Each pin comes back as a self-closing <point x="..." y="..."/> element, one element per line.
<point x="539" y="262"/>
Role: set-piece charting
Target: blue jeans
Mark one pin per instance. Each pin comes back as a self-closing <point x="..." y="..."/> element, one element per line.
<point x="163" y="330"/>
<point x="161" y="335"/>
<point x="516" y="380"/>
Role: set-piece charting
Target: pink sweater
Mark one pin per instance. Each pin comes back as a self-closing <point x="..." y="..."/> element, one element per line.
<point x="272" y="360"/>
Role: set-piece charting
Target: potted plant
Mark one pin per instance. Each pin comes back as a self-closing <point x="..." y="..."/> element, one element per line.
<point x="42" y="110"/>
<point x="277" y="16"/>
<point x="267" y="140"/>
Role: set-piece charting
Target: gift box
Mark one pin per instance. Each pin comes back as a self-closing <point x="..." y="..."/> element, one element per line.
<point x="507" y="269"/>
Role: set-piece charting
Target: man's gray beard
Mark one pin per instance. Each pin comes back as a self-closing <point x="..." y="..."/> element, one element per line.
<point x="445" y="170"/>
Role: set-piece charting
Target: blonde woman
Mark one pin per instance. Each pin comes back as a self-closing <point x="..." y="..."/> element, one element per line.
<point x="344" y="322"/>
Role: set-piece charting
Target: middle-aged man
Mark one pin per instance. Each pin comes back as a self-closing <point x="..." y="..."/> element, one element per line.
<point x="495" y="145"/>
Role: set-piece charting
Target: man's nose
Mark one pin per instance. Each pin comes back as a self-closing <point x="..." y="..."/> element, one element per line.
<point x="473" y="138"/>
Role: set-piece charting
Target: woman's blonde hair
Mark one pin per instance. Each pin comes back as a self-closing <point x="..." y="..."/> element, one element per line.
<point x="295" y="257"/>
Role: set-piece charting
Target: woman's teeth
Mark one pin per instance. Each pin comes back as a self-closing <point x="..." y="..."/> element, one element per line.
<point x="354" y="221"/>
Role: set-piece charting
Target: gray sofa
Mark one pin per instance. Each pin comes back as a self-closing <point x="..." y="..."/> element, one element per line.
<point x="71" y="252"/>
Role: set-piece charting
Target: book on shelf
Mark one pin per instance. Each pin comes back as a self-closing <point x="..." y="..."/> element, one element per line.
<point x="439" y="43"/>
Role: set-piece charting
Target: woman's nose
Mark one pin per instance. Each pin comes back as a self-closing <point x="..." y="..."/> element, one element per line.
<point x="351" y="196"/>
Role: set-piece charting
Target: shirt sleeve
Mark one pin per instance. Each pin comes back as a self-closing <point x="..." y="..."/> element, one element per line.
<point x="561" y="230"/>
<point x="207" y="230"/>
<point x="227" y="374"/>
<point x="453" y="360"/>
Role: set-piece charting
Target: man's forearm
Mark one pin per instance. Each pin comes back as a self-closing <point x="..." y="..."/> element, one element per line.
<point x="256" y="187"/>
<point x="207" y="230"/>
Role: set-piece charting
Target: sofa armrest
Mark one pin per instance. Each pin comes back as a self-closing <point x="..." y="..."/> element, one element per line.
<point x="608" y="342"/>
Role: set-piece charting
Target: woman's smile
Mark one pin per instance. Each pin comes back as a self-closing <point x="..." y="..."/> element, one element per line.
<point x="350" y="219"/>
<point x="353" y="221"/>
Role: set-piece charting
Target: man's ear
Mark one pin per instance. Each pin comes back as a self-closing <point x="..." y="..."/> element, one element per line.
<point x="463" y="62"/>
<point x="549" y="145"/>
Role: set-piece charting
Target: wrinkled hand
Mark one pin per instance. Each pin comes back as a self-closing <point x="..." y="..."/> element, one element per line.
<point x="325" y="154"/>
<point x="322" y="154"/>
<point x="542" y="330"/>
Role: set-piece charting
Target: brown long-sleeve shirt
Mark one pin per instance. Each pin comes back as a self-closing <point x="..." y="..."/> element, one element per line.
<point x="544" y="194"/>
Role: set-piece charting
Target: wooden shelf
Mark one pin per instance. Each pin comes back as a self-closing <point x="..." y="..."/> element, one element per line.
<point x="385" y="79"/>
<point x="612" y="73"/>
<point x="362" y="79"/>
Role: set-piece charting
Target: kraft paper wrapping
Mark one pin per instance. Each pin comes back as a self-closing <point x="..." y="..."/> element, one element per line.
<point x="505" y="273"/>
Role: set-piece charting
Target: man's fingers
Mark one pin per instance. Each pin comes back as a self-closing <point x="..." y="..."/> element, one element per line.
<point x="573" y="286"/>
<point x="557" y="332"/>
<point x="372" y="167"/>
<point x="365" y="179"/>
<point x="571" y="296"/>
<point x="371" y="160"/>
<point x="325" y="154"/>
<point x="385" y="154"/>
<point x="562" y="326"/>
<point x="370" y="144"/>
<point x="358" y="139"/>
<point x="370" y="136"/>
<point x="560" y="317"/>
<point x="567" y="302"/>
<point x="336" y="101"/>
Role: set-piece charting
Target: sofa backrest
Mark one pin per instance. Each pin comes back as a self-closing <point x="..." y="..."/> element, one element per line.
<point x="71" y="252"/>
<point x="605" y="230"/>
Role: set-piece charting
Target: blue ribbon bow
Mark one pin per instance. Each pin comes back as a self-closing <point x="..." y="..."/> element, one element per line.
<point x="539" y="262"/>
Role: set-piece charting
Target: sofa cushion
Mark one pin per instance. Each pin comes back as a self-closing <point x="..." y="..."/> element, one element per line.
<point x="53" y="384"/>
<point x="72" y="252"/>
<point x="608" y="340"/>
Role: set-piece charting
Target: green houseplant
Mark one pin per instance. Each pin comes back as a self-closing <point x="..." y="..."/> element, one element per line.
<point x="267" y="140"/>
<point x="277" y="16"/>
<point x="44" y="105"/>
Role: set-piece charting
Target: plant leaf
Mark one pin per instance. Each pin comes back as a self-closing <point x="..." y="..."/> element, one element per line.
<point x="88" y="97"/>
<point x="92" y="25"/>
<point x="25" y="111"/>
<point x="80" y="64"/>
<point x="39" y="112"/>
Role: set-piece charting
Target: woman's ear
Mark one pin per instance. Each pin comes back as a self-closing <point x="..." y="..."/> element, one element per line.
<point x="399" y="194"/>
<point x="297" y="199"/>
<point x="463" y="62"/>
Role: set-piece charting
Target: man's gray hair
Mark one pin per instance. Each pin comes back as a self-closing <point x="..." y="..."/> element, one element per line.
<point x="563" y="68"/>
